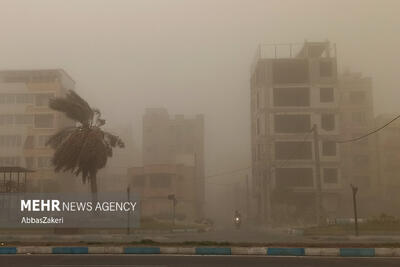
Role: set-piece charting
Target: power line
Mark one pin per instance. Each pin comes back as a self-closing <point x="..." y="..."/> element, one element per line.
<point x="227" y="172"/>
<point x="367" y="134"/>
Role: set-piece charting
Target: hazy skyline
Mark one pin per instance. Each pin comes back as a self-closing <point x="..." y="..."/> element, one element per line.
<point x="193" y="56"/>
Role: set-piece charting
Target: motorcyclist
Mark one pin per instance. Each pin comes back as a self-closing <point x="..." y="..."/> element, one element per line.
<point x="237" y="217"/>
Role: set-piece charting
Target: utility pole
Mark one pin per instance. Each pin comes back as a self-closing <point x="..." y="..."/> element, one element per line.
<point x="174" y="202"/>
<point x="247" y="198"/>
<point x="354" y="189"/>
<point x="268" y="200"/>
<point x="318" y="206"/>
<point x="128" y="192"/>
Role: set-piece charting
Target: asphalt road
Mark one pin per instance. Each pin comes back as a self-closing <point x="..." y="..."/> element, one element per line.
<point x="192" y="261"/>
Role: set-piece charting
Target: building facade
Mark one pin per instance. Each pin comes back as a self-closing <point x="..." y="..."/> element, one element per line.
<point x="176" y="141"/>
<point x="290" y="94"/>
<point x="26" y="122"/>
<point x="358" y="162"/>
<point x="388" y="167"/>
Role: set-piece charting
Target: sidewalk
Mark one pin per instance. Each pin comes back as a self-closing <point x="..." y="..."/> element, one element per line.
<point x="262" y="251"/>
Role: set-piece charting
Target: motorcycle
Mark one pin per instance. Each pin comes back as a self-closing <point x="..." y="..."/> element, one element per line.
<point x="237" y="222"/>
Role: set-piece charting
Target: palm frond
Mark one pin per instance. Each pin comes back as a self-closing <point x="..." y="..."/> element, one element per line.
<point x="73" y="106"/>
<point x="58" y="138"/>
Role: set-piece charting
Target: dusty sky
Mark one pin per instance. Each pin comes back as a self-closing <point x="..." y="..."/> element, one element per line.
<point x="193" y="56"/>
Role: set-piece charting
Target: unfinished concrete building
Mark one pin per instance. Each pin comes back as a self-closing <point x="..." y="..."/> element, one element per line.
<point x="293" y="88"/>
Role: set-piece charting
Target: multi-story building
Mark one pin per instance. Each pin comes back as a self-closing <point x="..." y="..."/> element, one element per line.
<point x="171" y="141"/>
<point x="358" y="158"/>
<point x="388" y="167"/>
<point x="26" y="122"/>
<point x="290" y="94"/>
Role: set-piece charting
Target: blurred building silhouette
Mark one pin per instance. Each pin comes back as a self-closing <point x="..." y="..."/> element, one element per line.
<point x="359" y="165"/>
<point x="388" y="167"/>
<point x="173" y="163"/>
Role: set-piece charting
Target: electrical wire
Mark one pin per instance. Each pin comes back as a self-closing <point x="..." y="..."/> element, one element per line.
<point x="227" y="172"/>
<point x="368" y="134"/>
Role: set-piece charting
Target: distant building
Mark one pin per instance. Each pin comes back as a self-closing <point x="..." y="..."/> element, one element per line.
<point x="290" y="92"/>
<point x="26" y="122"/>
<point x="359" y="164"/>
<point x="114" y="177"/>
<point x="388" y="167"/>
<point x="155" y="182"/>
<point x="175" y="141"/>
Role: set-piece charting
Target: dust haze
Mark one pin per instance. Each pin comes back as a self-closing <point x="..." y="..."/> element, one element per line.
<point x="194" y="57"/>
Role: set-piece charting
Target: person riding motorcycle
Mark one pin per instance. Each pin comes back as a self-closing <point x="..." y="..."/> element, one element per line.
<point x="237" y="218"/>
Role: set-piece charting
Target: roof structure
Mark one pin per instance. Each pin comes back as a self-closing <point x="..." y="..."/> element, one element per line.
<point x="14" y="169"/>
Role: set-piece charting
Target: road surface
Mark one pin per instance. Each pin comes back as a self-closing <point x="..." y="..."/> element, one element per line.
<point x="192" y="261"/>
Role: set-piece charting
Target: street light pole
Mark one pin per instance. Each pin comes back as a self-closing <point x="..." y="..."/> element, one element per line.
<point x="128" y="192"/>
<point x="354" y="190"/>
<point x="174" y="202"/>
<point x="318" y="207"/>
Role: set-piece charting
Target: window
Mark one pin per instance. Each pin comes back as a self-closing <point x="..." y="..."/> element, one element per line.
<point x="9" y="161"/>
<point x="358" y="118"/>
<point x="44" y="162"/>
<point x="361" y="160"/>
<point x="292" y="177"/>
<point x="24" y="99"/>
<point x="29" y="142"/>
<point x="44" y="120"/>
<point x="258" y="130"/>
<point x="139" y="180"/>
<point x="293" y="123"/>
<point x="7" y="99"/>
<point x="6" y="119"/>
<point x="325" y="68"/>
<point x="293" y="150"/>
<point x="43" y="99"/>
<point x="329" y="148"/>
<point x="258" y="151"/>
<point x="328" y="122"/>
<point x="357" y="97"/>
<point x="10" y="140"/>
<point x="160" y="180"/>
<point x="326" y="95"/>
<point x="258" y="99"/>
<point x="290" y="71"/>
<point x="29" y="162"/>
<point x="42" y="140"/>
<point x="22" y="119"/>
<point x="16" y="78"/>
<point x="296" y="97"/>
<point x="330" y="175"/>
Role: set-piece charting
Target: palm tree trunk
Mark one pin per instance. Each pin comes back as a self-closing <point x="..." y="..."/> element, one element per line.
<point x="93" y="186"/>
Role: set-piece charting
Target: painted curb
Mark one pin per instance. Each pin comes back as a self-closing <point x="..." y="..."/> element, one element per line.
<point x="70" y="250"/>
<point x="271" y="251"/>
<point x="142" y="250"/>
<point x="357" y="252"/>
<point x="249" y="251"/>
<point x="286" y="252"/>
<point x="213" y="251"/>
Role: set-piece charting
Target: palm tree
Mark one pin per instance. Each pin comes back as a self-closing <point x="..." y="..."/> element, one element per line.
<point x="82" y="149"/>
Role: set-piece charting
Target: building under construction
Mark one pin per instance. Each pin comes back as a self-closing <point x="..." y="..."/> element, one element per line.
<point x="294" y="89"/>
